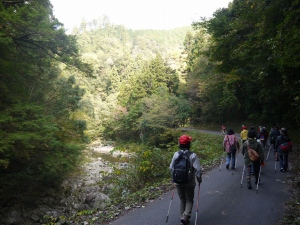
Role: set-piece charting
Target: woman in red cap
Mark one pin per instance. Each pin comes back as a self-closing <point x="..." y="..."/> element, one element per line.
<point x="186" y="189"/>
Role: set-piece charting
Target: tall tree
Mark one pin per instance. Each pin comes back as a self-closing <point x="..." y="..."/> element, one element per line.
<point x="39" y="142"/>
<point x="251" y="42"/>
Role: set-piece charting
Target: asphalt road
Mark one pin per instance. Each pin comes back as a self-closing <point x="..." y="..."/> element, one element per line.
<point x="222" y="200"/>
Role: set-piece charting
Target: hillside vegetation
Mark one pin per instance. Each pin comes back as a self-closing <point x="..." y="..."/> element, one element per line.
<point x="109" y="83"/>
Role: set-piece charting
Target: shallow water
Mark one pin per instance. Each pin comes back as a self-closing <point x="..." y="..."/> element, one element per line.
<point x="108" y="157"/>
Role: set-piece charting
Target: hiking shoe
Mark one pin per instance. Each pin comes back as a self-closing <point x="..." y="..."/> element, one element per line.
<point x="184" y="220"/>
<point x="232" y="168"/>
<point x="227" y="166"/>
<point x="281" y="170"/>
<point x="249" y="185"/>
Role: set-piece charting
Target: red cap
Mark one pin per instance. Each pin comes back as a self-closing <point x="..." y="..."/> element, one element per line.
<point x="184" y="139"/>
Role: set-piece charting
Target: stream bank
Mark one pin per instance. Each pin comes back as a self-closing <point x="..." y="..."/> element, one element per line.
<point x="79" y="192"/>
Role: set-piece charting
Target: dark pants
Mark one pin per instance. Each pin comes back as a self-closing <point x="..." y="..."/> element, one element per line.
<point x="263" y="143"/>
<point x="256" y="167"/>
<point x="284" y="161"/>
<point x="276" y="155"/>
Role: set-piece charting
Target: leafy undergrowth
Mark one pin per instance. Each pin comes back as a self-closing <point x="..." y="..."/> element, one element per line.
<point x="149" y="172"/>
<point x="292" y="207"/>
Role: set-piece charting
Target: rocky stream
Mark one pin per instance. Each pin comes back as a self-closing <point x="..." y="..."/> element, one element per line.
<point x="79" y="192"/>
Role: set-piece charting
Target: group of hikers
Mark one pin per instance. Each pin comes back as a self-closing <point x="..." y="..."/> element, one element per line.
<point x="185" y="165"/>
<point x="259" y="140"/>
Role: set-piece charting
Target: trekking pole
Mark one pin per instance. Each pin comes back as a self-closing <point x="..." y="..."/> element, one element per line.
<point x="170" y="203"/>
<point x="268" y="153"/>
<point x="236" y="156"/>
<point x="221" y="161"/>
<point x="258" y="181"/>
<point x="283" y="162"/>
<point x="197" y="205"/>
<point x="243" y="176"/>
<point x="290" y="165"/>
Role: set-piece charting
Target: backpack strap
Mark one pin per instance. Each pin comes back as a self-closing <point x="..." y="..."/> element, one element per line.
<point x="252" y="148"/>
<point x="180" y="154"/>
<point x="229" y="141"/>
<point x="188" y="155"/>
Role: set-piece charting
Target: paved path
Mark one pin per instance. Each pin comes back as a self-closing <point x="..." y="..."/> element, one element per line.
<point x="222" y="200"/>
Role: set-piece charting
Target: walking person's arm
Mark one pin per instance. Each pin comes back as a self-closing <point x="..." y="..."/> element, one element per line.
<point x="237" y="142"/>
<point x="197" y="167"/>
<point x="173" y="161"/>
<point x="225" y="143"/>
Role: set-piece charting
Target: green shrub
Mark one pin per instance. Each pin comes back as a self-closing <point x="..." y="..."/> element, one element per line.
<point x="150" y="165"/>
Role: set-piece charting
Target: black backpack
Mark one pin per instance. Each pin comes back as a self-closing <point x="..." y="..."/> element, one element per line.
<point x="274" y="135"/>
<point x="182" y="170"/>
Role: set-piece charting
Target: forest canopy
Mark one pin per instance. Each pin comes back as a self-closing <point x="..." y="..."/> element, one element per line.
<point x="253" y="46"/>
<point x="39" y="141"/>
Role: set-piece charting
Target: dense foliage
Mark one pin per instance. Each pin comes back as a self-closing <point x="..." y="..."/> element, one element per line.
<point x="39" y="141"/>
<point x="253" y="47"/>
<point x="133" y="91"/>
<point x="151" y="165"/>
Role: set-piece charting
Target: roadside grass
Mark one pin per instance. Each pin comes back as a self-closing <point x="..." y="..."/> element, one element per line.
<point x="150" y="173"/>
<point x="146" y="178"/>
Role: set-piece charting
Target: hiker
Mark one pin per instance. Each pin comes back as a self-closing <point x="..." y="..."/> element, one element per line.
<point x="267" y="136"/>
<point x="244" y="134"/>
<point x="255" y="133"/>
<point x="263" y="136"/>
<point x="253" y="144"/>
<point x="283" y="155"/>
<point x="259" y="129"/>
<point x="223" y="129"/>
<point x="231" y="145"/>
<point x="186" y="190"/>
<point x="253" y="130"/>
<point x="273" y="137"/>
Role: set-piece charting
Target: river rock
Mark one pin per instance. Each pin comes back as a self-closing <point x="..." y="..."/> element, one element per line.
<point x="80" y="192"/>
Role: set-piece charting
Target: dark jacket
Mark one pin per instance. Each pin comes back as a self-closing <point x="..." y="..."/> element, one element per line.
<point x="280" y="140"/>
<point x="273" y="136"/>
<point x="263" y="135"/>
